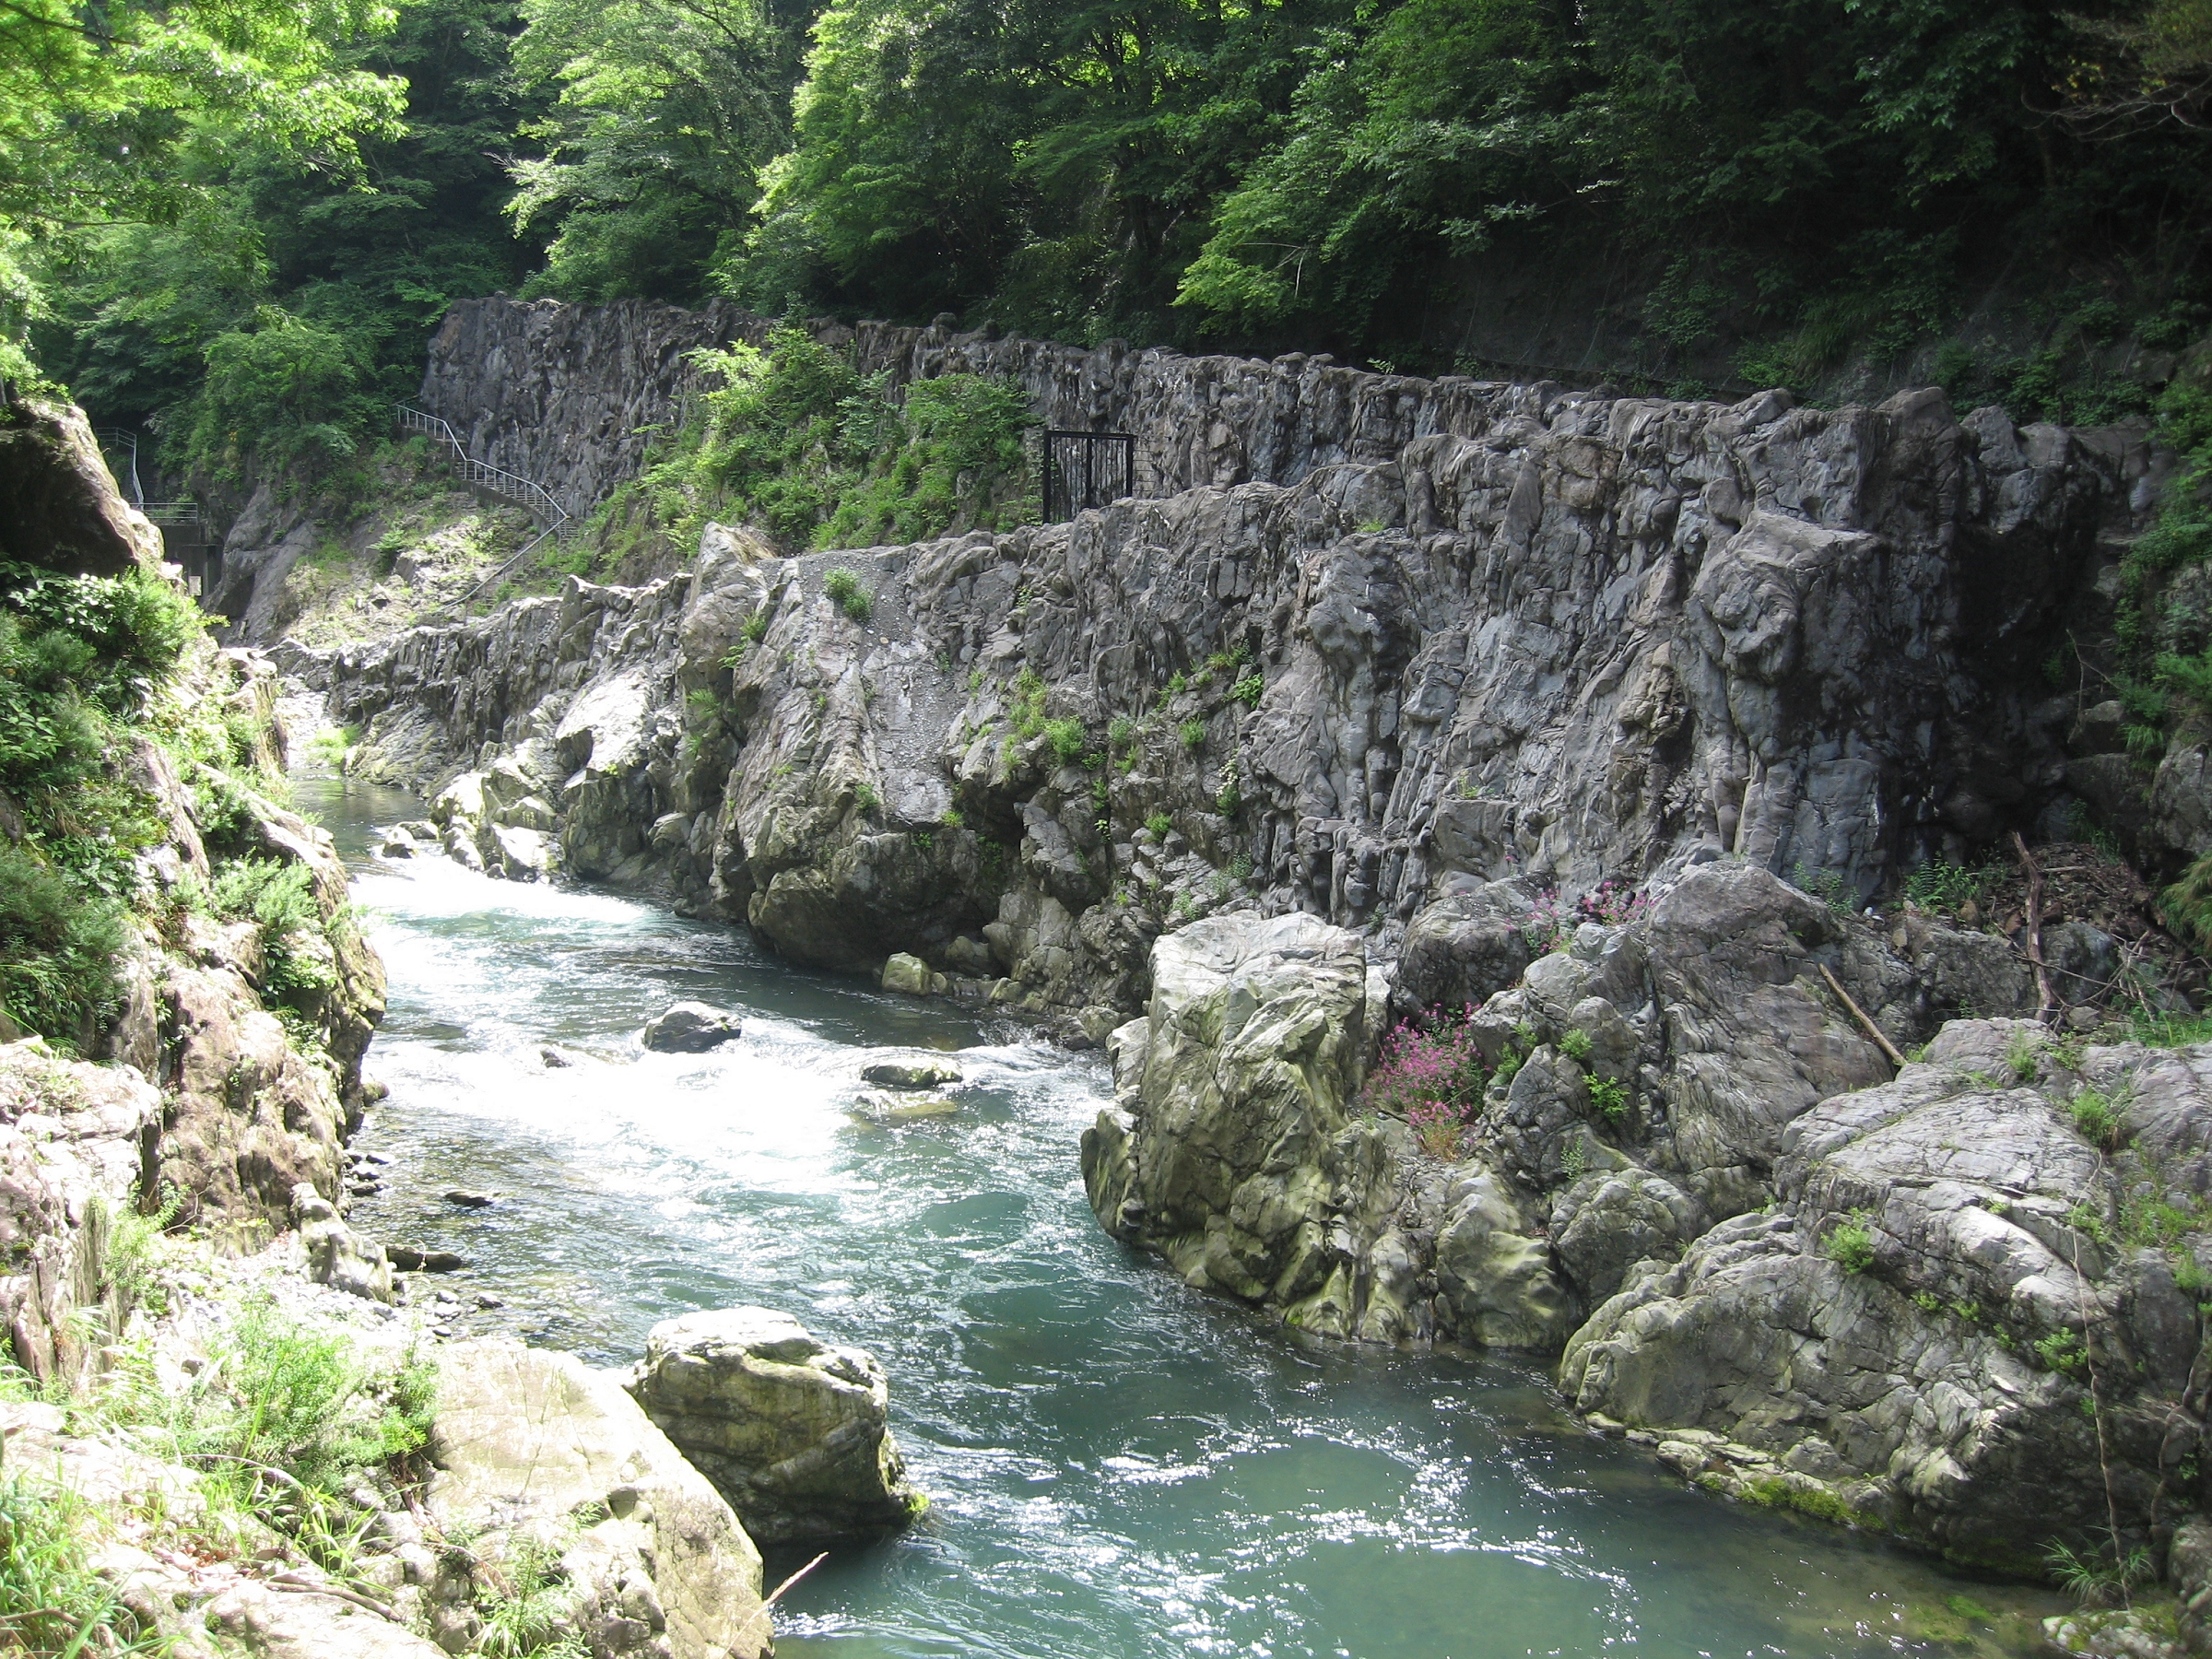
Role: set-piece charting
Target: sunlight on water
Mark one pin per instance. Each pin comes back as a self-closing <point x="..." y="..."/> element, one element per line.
<point x="1119" y="1466"/>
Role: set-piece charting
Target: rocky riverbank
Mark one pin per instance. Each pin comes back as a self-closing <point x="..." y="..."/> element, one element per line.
<point x="1335" y="736"/>
<point x="230" y="1426"/>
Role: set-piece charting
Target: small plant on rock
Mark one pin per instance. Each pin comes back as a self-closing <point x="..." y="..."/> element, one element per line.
<point x="848" y="595"/>
<point x="1248" y="690"/>
<point x="2062" y="1351"/>
<point x="1849" y="1244"/>
<point x="2098" y="1118"/>
<point x="1193" y="733"/>
<point x="1067" y="739"/>
<point x="1575" y="1046"/>
<point x="2022" y="1056"/>
<point x="2101" y="1577"/>
<point x="1160" y="823"/>
<point x="1610" y="1099"/>
<point x="1612" y="904"/>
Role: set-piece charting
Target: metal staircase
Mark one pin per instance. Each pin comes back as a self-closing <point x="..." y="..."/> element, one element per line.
<point x="526" y="493"/>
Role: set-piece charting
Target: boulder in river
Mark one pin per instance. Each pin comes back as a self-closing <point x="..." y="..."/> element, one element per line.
<point x="906" y="973"/>
<point x="690" y="1028"/>
<point x="530" y="1444"/>
<point x="911" y="1074"/>
<point x="790" y="1430"/>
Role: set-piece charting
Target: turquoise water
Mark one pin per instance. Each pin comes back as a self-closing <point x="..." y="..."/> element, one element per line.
<point x="1119" y="1465"/>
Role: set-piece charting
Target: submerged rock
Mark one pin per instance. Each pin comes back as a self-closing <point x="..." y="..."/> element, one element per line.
<point x="532" y="1444"/>
<point x="911" y="1074"/>
<point x="690" y="1028"/>
<point x="790" y="1430"/>
<point x="872" y="1106"/>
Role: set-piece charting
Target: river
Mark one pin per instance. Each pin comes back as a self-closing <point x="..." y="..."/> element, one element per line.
<point x="1119" y="1466"/>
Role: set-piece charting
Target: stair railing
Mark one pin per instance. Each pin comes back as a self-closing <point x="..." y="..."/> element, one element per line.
<point x="526" y="493"/>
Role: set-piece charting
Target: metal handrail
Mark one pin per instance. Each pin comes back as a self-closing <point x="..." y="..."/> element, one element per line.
<point x="526" y="493"/>
<point x="122" y="438"/>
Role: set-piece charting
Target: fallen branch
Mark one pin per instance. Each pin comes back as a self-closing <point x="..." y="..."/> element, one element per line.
<point x="1860" y="1014"/>
<point x="2048" y="1012"/>
<point x="335" y="1592"/>
<point x="761" y="1611"/>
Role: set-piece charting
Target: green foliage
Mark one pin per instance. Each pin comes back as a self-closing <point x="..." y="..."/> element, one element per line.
<point x="1575" y="1046"/>
<point x="1942" y="887"/>
<point x="1828" y="886"/>
<point x="845" y="593"/>
<point x="82" y="661"/>
<point x="1248" y="690"/>
<point x="663" y="115"/>
<point x="2098" y="1578"/>
<point x="2062" y="1351"/>
<point x="1610" y="1099"/>
<point x="2023" y="1056"/>
<point x="791" y="437"/>
<point x="1122" y="732"/>
<point x="1193" y="733"/>
<point x="951" y="818"/>
<point x="531" y="1600"/>
<point x="120" y="115"/>
<point x="1849" y="1244"/>
<point x="53" y="1600"/>
<point x="864" y="798"/>
<point x="1067" y="738"/>
<point x="1160" y="823"/>
<point x="2187" y="905"/>
<point x="2099" y="1118"/>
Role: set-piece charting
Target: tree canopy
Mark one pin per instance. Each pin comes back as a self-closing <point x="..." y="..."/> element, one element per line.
<point x="219" y="201"/>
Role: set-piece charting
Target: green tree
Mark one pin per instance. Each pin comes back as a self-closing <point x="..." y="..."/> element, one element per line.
<point x="665" y="111"/>
<point x="101" y="106"/>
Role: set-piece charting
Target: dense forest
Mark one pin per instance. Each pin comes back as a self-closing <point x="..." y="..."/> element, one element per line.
<point x="2008" y="196"/>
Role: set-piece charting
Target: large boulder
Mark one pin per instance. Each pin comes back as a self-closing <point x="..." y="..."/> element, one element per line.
<point x="535" y="1450"/>
<point x="1234" y="1150"/>
<point x="690" y="1028"/>
<point x="790" y="1430"/>
<point x="1968" y="1300"/>
<point x="59" y="506"/>
<point x="334" y="1254"/>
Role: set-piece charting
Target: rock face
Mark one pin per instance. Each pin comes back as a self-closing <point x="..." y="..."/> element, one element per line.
<point x="535" y="1444"/>
<point x="790" y="1430"/>
<point x="1953" y="1269"/>
<point x="1235" y="1152"/>
<point x="76" y="1141"/>
<point x="690" y="1028"/>
<point x="1326" y="667"/>
<point x="59" y="507"/>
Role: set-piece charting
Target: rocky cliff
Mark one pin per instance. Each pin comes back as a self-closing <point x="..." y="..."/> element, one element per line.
<point x="1487" y="630"/>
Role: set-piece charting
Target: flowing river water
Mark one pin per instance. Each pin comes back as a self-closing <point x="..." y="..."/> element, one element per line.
<point x="1119" y="1466"/>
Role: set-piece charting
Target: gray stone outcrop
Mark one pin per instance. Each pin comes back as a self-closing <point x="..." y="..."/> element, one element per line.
<point x="790" y="1430"/>
<point x="1473" y="632"/>
<point x="538" y="1445"/>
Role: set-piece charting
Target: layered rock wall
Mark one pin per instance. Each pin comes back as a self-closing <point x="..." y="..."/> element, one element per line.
<point x="1580" y="638"/>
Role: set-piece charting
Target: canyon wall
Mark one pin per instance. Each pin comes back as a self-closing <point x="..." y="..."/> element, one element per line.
<point x="1572" y="637"/>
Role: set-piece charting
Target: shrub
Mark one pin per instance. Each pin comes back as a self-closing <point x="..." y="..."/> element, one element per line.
<point x="1120" y="733"/>
<point x="864" y="796"/>
<point x="1248" y="690"/>
<point x="1193" y="733"/>
<point x="2062" y="1351"/>
<point x="951" y="818"/>
<point x="2100" y="1119"/>
<point x="1066" y="738"/>
<point x="58" y="947"/>
<point x="1610" y="1099"/>
<point x="1575" y="1046"/>
<point x="1160" y="823"/>
<point x="1612" y="904"/>
<point x="1849" y="1244"/>
<point x="848" y="595"/>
